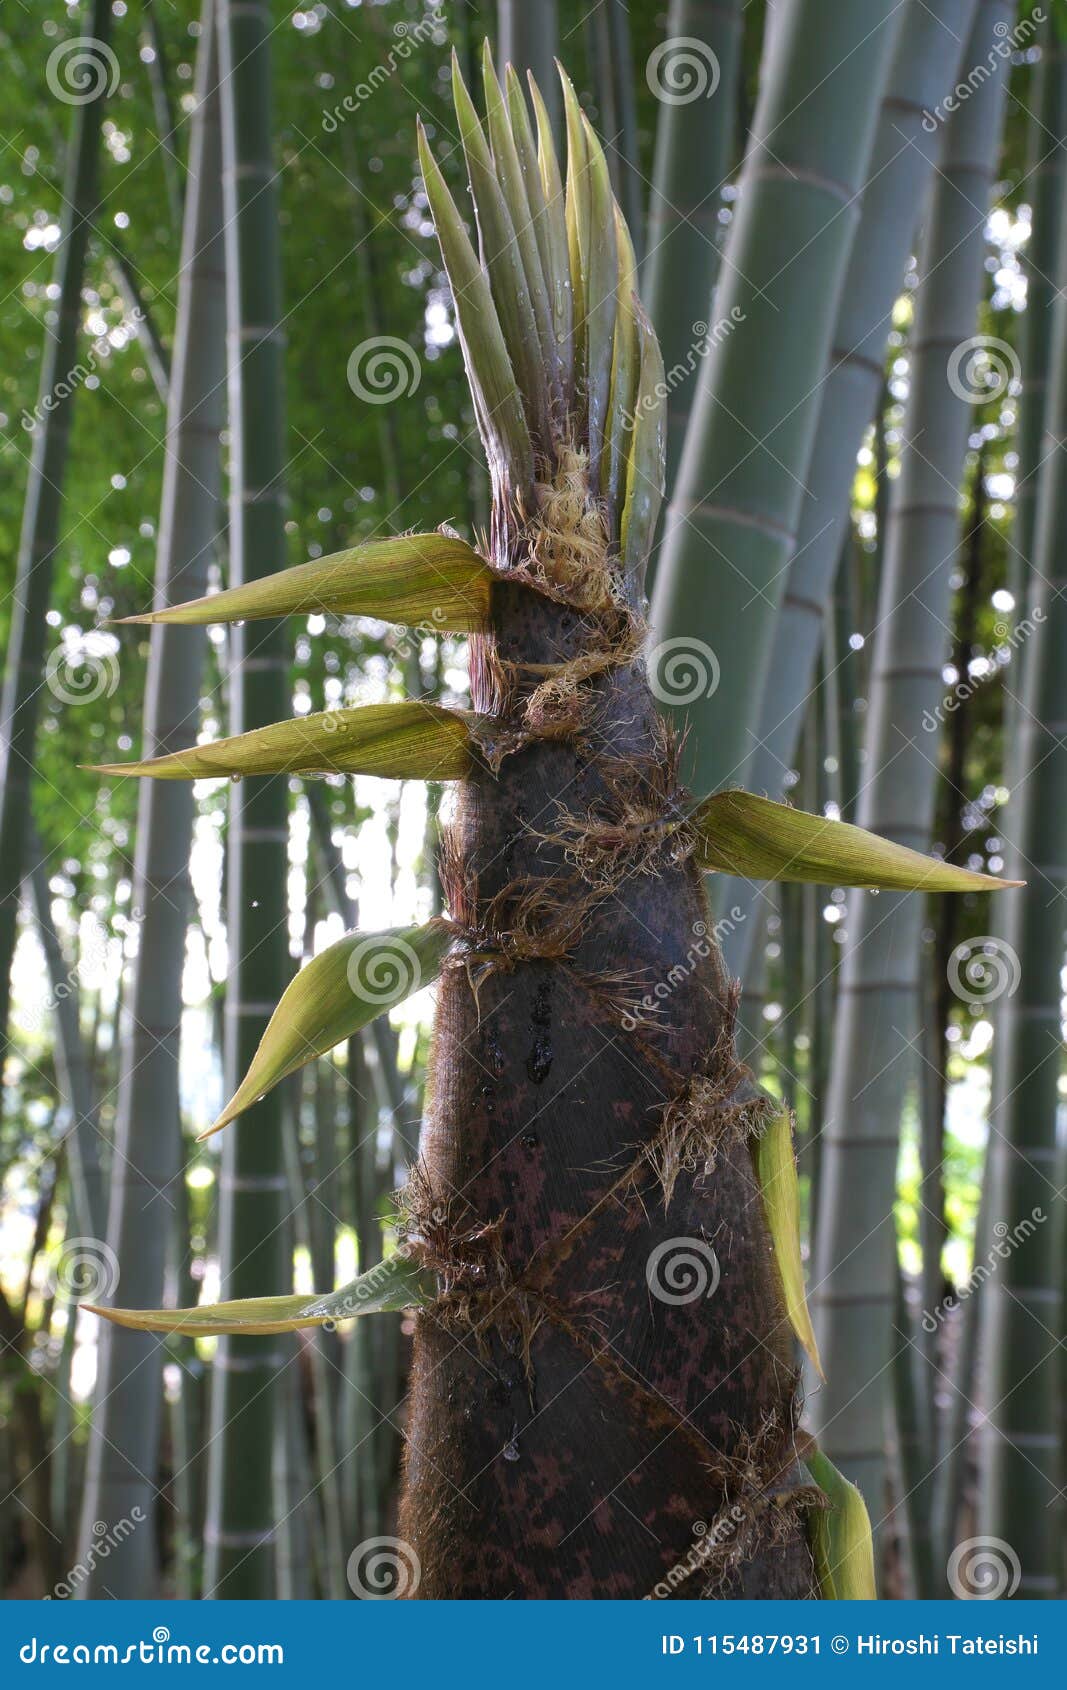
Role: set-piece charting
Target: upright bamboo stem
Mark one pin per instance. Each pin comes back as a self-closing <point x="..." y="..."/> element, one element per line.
<point x="124" y="1437"/>
<point x="878" y="1004"/>
<point x="695" y="141"/>
<point x="42" y="510"/>
<point x="735" y="512"/>
<point x="239" y="1528"/>
<point x="902" y="162"/>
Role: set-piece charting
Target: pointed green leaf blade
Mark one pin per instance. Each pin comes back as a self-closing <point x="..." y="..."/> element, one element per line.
<point x="625" y="368"/>
<point x="502" y="257"/>
<point x="558" y="263"/>
<point x="250" y="1315"/>
<point x="339" y="991"/>
<point x="601" y="280"/>
<point x="501" y="418"/>
<point x="841" y="1535"/>
<point x="740" y="833"/>
<point x="392" y="1285"/>
<point x="412" y="740"/>
<point x="646" y="465"/>
<point x="513" y="188"/>
<point x="776" y="1170"/>
<point x="432" y="581"/>
<point x="396" y="1283"/>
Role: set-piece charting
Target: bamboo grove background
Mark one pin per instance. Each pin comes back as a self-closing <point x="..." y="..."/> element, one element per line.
<point x="229" y="346"/>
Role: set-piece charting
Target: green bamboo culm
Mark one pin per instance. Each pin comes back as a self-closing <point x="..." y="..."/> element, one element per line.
<point x="902" y="162"/>
<point x="42" y="510"/>
<point x="528" y="40"/>
<point x="148" y="1163"/>
<point x="734" y="514"/>
<point x="878" y="1006"/>
<point x="239" y="1557"/>
<point x="695" y="139"/>
<point x="1021" y="1503"/>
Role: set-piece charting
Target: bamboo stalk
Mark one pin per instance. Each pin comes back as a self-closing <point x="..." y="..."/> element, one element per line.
<point x="42" y="510"/>
<point x="245" y="1401"/>
<point x="124" y="1437"/>
<point x="878" y="1003"/>
<point x="735" y="512"/>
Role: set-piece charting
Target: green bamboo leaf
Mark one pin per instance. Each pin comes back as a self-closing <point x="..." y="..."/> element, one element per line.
<point x="624" y="374"/>
<point x="646" y="466"/>
<point x="841" y="1535"/>
<point x="515" y="183"/>
<point x="432" y="581"/>
<point x="339" y="991"/>
<point x="577" y="213"/>
<point x="411" y="740"/>
<point x="776" y="1170"/>
<point x="502" y="257"/>
<point x="600" y="283"/>
<point x="740" y="833"/>
<point x="501" y="419"/>
<point x="526" y="152"/>
<point x="558" y="263"/>
<point x="393" y="1284"/>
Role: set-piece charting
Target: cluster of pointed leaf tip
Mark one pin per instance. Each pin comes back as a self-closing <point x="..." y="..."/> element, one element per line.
<point x="559" y="358"/>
